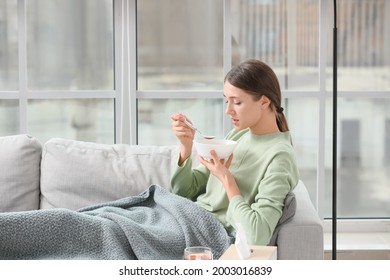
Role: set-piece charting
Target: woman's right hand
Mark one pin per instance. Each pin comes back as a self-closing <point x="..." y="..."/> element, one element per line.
<point x="184" y="133"/>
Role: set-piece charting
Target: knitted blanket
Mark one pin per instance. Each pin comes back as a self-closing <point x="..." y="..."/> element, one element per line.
<point x="153" y="225"/>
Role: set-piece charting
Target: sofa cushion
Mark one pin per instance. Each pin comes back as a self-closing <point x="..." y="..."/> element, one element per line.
<point x="20" y="156"/>
<point x="289" y="208"/>
<point x="76" y="174"/>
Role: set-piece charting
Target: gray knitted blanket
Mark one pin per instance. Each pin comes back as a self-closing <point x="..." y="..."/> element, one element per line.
<point x="153" y="225"/>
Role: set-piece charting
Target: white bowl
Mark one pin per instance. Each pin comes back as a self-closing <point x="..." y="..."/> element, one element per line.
<point x="224" y="148"/>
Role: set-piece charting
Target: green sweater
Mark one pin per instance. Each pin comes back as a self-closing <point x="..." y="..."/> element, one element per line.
<point x="264" y="167"/>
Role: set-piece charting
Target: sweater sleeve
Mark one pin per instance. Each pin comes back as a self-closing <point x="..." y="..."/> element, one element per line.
<point x="189" y="182"/>
<point x="259" y="218"/>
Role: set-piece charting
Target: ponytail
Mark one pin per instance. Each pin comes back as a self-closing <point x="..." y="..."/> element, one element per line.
<point x="281" y="121"/>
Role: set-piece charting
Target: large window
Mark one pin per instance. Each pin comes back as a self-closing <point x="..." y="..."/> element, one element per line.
<point x="115" y="70"/>
<point x="364" y="90"/>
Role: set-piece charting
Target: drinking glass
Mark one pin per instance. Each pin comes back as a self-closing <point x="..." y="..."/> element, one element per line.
<point x="198" y="253"/>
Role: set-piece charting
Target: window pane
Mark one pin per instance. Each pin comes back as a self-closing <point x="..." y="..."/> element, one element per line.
<point x="8" y="45"/>
<point x="363" y="46"/>
<point x="70" y="44"/>
<point x="363" y="159"/>
<point x="282" y="33"/>
<point x="82" y="119"/>
<point x="9" y="117"/>
<point x="180" y="44"/>
<point x="154" y="118"/>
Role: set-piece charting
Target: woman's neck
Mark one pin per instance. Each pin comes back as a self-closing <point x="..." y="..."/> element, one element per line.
<point x="266" y="125"/>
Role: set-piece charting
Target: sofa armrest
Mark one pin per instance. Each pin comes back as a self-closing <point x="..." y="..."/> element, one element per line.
<point x="302" y="237"/>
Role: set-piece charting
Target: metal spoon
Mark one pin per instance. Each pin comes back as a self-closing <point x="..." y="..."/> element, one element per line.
<point x="194" y="128"/>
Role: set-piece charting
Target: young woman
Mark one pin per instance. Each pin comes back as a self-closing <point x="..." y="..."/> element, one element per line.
<point x="248" y="188"/>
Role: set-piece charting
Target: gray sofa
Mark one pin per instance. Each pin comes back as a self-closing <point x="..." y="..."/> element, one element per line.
<point x="70" y="174"/>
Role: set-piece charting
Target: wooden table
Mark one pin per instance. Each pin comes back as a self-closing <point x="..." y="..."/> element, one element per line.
<point x="258" y="253"/>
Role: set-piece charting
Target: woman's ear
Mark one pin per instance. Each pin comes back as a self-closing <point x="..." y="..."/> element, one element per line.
<point x="265" y="101"/>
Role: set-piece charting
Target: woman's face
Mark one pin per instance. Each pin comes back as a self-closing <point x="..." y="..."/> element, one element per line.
<point x="242" y="109"/>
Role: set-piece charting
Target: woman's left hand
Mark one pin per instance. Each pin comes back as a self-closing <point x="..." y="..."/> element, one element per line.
<point x="220" y="169"/>
<point x="217" y="166"/>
